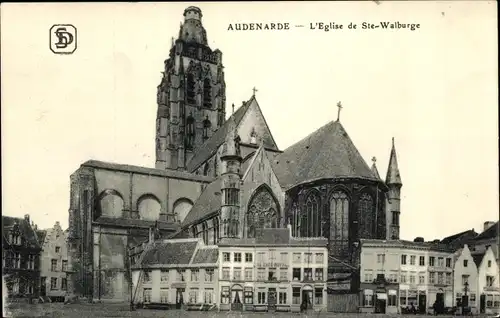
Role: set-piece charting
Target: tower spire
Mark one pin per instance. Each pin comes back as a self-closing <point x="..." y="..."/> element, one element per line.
<point x="374" y="168"/>
<point x="393" y="175"/>
<point x="339" y="105"/>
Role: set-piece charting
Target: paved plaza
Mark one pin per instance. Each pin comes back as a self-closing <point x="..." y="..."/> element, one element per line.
<point x="122" y="310"/>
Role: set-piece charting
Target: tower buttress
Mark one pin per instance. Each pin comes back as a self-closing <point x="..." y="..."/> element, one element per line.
<point x="393" y="181"/>
<point x="191" y="95"/>
<point x="230" y="177"/>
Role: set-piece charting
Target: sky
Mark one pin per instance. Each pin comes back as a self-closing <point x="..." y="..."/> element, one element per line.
<point x="433" y="89"/>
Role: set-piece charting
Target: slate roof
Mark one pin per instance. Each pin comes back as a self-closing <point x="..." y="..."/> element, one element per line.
<point x="24" y="227"/>
<point x="478" y="258"/>
<point x="209" y="201"/>
<point x="393" y="175"/>
<point x="206" y="150"/>
<point x="490" y="232"/>
<point x="147" y="171"/>
<point x="169" y="252"/>
<point x="274" y="237"/>
<point x="455" y="237"/>
<point x="326" y="153"/>
<point x="206" y="255"/>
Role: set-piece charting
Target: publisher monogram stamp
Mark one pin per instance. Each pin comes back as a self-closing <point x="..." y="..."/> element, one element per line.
<point x="63" y="39"/>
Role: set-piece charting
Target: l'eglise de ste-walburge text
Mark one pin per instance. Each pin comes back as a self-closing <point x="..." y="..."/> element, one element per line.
<point x="395" y="25"/>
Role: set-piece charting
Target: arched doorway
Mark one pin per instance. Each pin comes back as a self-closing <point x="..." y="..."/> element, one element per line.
<point x="237" y="298"/>
<point x="307" y="297"/>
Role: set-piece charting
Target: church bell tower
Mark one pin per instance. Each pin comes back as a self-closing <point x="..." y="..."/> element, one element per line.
<point x="191" y="95"/>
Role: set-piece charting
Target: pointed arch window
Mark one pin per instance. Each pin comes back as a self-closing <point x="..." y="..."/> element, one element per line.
<point x="311" y="218"/>
<point x="190" y="132"/>
<point x="365" y="216"/>
<point x="295" y="220"/>
<point x="207" y="93"/>
<point x="216" y="230"/>
<point x="263" y="212"/>
<point x="216" y="172"/>
<point x="206" y="128"/>
<point x="190" y="89"/>
<point x="339" y="224"/>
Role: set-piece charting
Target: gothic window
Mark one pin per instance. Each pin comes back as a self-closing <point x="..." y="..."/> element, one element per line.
<point x="205" y="232"/>
<point x="339" y="224"/>
<point x="295" y="220"/>
<point x="263" y="212"/>
<point x="206" y="169"/>
<point x="206" y="128"/>
<point x="216" y="230"/>
<point x="365" y="216"/>
<point x="207" y="93"/>
<point x="216" y="173"/>
<point x="190" y="132"/>
<point x="225" y="228"/>
<point x="234" y="228"/>
<point x="311" y="218"/>
<point x="190" y="89"/>
<point x="220" y="118"/>
<point x="231" y="197"/>
<point x="395" y="218"/>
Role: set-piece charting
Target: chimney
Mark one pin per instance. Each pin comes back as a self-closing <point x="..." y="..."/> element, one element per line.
<point x="27" y="218"/>
<point x="488" y="224"/>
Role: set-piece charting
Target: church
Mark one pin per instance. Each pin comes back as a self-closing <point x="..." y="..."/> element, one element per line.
<point x="218" y="177"/>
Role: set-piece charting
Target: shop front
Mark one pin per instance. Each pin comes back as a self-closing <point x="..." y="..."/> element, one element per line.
<point x="379" y="296"/>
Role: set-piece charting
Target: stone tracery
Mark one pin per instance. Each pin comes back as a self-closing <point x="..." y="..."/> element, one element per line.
<point x="263" y="212"/>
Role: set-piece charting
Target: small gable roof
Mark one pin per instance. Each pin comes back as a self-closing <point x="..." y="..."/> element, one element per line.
<point x="326" y="153"/>
<point x="208" y="202"/>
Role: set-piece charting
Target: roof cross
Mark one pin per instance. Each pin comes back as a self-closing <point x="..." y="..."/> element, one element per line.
<point x="339" y="105"/>
<point x="374" y="159"/>
<point x="254" y="90"/>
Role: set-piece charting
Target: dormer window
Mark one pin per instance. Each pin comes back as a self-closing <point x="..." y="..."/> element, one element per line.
<point x="15" y="238"/>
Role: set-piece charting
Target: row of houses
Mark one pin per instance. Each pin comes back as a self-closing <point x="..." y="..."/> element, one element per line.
<point x="35" y="261"/>
<point x="278" y="272"/>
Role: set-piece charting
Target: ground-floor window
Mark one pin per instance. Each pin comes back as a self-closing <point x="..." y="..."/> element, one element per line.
<point x="208" y="296"/>
<point x="53" y="283"/>
<point x="492" y="301"/>
<point x="412" y="298"/>
<point x="392" y="298"/>
<point x="318" y="296"/>
<point x="64" y="283"/>
<point x="261" y="297"/>
<point x="368" y="298"/>
<point x="282" y="297"/>
<point x="224" y="296"/>
<point x="296" y="295"/>
<point x="193" y="296"/>
<point x="496" y="301"/>
<point x="402" y="297"/>
<point x="29" y="288"/>
<point x="248" y="295"/>
<point x="164" y="295"/>
<point x="147" y="295"/>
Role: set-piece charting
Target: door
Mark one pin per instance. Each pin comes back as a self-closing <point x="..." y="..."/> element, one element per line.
<point x="422" y="302"/>
<point x="271" y="299"/>
<point x="179" y="298"/>
<point x="482" y="304"/>
<point x="440" y="303"/>
<point x="307" y="299"/>
<point x="43" y="286"/>
<point x="237" y="304"/>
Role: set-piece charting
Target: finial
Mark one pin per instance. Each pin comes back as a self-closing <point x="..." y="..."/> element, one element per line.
<point x="339" y="105"/>
<point x="254" y="90"/>
<point x="233" y="107"/>
<point x="173" y="41"/>
<point x="393" y="141"/>
<point x="374" y="159"/>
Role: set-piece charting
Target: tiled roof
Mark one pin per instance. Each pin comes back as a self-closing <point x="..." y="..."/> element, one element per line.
<point x="209" y="201"/>
<point x="478" y="258"/>
<point x="136" y="223"/>
<point x="206" y="255"/>
<point x="453" y="238"/>
<point x="490" y="232"/>
<point x="24" y="227"/>
<point x="169" y="252"/>
<point x="147" y="171"/>
<point x="274" y="237"/>
<point x="206" y="150"/>
<point x="326" y="153"/>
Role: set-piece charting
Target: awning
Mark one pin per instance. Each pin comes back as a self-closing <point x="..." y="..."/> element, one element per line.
<point x="382" y="296"/>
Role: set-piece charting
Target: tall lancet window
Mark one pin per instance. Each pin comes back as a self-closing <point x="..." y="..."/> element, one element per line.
<point x="365" y="216"/>
<point x="295" y="220"/>
<point x="339" y="224"/>
<point x="190" y="132"/>
<point x="206" y="128"/>
<point x="216" y="230"/>
<point x="310" y="220"/>
<point x="190" y="89"/>
<point x="263" y="211"/>
<point x="207" y="93"/>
